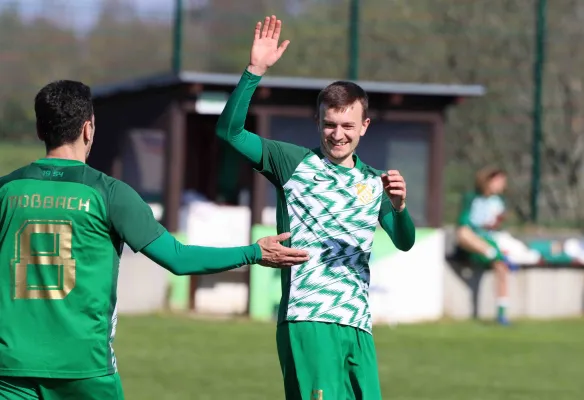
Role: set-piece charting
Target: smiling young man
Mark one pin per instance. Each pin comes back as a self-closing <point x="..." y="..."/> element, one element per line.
<point x="331" y="203"/>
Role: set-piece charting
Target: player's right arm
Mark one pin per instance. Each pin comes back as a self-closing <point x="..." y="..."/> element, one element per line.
<point x="230" y="126"/>
<point x="276" y="160"/>
<point x="264" y="53"/>
<point x="133" y="221"/>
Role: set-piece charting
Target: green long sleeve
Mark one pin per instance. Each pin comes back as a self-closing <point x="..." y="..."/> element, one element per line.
<point x="398" y="225"/>
<point x="230" y="126"/>
<point x="179" y="259"/>
<point x="464" y="216"/>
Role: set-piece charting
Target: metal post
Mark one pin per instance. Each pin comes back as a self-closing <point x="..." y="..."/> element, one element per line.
<point x="540" y="36"/>
<point x="177" y="37"/>
<point x="354" y="40"/>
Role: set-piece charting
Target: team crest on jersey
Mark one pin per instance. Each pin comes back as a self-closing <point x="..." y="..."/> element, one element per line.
<point x="364" y="193"/>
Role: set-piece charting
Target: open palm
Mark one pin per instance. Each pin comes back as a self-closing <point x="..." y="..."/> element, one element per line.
<point x="265" y="51"/>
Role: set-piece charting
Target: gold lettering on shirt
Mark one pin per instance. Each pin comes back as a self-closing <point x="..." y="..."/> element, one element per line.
<point x="23" y="201"/>
<point x="69" y="201"/>
<point x="35" y="201"/>
<point x="61" y="202"/>
<point x="84" y="205"/>
<point x="49" y="202"/>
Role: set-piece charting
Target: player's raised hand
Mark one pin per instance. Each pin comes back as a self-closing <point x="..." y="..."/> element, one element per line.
<point x="277" y="256"/>
<point x="395" y="187"/>
<point x="265" y="50"/>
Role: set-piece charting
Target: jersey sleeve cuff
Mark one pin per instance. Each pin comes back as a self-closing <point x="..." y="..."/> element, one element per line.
<point x="257" y="253"/>
<point x="398" y="212"/>
<point x="159" y="232"/>
<point x="401" y="216"/>
<point x="251" y="77"/>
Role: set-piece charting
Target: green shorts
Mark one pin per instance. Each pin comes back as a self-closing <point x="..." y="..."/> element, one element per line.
<point x="322" y="361"/>
<point x="108" y="387"/>
<point x="480" y="259"/>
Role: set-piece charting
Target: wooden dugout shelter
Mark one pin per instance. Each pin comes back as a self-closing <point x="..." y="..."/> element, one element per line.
<point x="176" y="115"/>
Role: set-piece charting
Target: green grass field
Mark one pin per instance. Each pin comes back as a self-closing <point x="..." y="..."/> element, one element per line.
<point x="176" y="357"/>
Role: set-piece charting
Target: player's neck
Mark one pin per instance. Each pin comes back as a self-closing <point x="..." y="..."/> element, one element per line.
<point x="67" y="153"/>
<point x="347" y="162"/>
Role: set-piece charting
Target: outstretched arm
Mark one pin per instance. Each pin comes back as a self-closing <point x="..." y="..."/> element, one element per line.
<point x="232" y="119"/>
<point x="275" y="160"/>
<point x="132" y="220"/>
<point x="179" y="259"/>
<point x="264" y="53"/>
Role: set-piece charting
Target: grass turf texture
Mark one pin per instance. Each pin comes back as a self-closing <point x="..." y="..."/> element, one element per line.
<point x="168" y="357"/>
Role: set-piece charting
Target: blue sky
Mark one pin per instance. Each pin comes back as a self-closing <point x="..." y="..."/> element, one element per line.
<point x="83" y="13"/>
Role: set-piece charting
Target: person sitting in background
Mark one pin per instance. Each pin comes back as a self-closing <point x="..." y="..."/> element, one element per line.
<point x="482" y="213"/>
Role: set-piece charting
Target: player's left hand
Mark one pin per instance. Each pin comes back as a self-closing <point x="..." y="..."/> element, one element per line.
<point x="395" y="187"/>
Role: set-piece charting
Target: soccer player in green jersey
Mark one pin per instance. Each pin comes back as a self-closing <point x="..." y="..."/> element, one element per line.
<point x="330" y="202"/>
<point x="62" y="228"/>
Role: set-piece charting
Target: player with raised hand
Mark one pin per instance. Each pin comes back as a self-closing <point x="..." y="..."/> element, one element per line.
<point x="62" y="229"/>
<point x="331" y="203"/>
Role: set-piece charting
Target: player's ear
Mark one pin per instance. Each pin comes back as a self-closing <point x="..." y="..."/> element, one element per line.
<point x="87" y="131"/>
<point x="365" y="125"/>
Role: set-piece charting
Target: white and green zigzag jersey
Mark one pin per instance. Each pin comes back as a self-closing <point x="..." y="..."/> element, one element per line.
<point x="332" y="212"/>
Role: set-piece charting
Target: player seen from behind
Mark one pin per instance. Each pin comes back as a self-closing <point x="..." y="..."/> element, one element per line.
<point x="62" y="229"/>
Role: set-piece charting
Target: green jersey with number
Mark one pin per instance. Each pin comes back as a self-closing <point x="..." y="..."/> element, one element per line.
<point x="331" y="211"/>
<point x="62" y="228"/>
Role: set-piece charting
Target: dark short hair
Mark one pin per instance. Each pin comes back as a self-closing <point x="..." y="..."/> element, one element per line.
<point x="61" y="108"/>
<point x="341" y="94"/>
